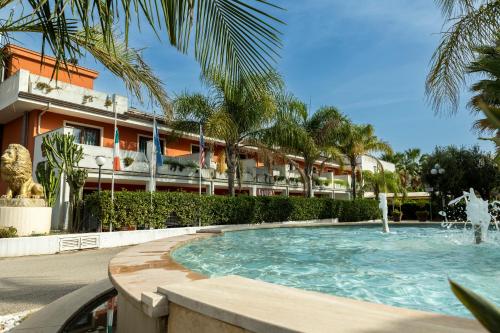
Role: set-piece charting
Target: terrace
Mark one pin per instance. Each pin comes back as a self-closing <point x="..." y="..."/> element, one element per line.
<point x="182" y="171"/>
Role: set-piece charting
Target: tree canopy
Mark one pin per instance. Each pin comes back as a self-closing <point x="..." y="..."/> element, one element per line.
<point x="315" y="137"/>
<point x="235" y="116"/>
<point x="464" y="168"/>
<point x="356" y="141"/>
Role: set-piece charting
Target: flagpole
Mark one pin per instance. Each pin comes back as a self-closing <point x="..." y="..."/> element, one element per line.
<point x="153" y="163"/>
<point x="201" y="158"/>
<point x="113" y="172"/>
<point x="199" y="161"/>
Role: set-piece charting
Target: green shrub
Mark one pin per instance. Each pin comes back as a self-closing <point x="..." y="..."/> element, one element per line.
<point x="358" y="210"/>
<point x="410" y="207"/>
<point x="144" y="210"/>
<point x="422" y="215"/>
<point x="8" y="232"/>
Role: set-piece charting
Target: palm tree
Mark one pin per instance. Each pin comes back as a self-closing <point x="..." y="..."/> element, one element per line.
<point x="312" y="137"/>
<point x="471" y="23"/>
<point x="408" y="167"/>
<point x="487" y="91"/>
<point x="235" y="117"/>
<point x="382" y="182"/>
<point x="359" y="140"/>
<point x="241" y="39"/>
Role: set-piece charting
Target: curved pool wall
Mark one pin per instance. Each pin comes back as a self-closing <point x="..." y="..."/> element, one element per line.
<point x="157" y="294"/>
<point x="407" y="268"/>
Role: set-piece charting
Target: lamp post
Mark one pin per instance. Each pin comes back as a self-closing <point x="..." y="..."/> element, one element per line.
<point x="100" y="160"/>
<point x="437" y="170"/>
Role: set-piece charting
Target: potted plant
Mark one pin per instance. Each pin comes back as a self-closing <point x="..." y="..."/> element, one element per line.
<point x="128" y="161"/>
<point x="128" y="227"/>
<point x="422" y="215"/>
<point x="396" y="215"/>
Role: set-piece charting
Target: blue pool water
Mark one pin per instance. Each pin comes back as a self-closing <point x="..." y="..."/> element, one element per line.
<point x="408" y="267"/>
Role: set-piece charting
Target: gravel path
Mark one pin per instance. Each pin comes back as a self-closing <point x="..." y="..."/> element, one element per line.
<point x="28" y="283"/>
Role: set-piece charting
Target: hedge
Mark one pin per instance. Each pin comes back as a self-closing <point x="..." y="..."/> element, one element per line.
<point x="411" y="207"/>
<point x="142" y="210"/>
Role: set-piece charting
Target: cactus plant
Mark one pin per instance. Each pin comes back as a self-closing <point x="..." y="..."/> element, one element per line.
<point x="46" y="175"/>
<point x="64" y="154"/>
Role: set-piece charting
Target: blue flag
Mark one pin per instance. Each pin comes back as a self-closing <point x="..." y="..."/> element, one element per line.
<point x="156" y="142"/>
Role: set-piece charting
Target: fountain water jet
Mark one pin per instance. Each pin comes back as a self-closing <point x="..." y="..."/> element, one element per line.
<point x="477" y="214"/>
<point x="383" y="207"/>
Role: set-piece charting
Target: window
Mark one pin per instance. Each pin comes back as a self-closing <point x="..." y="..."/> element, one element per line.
<point x="195" y="149"/>
<point x="143" y="144"/>
<point x="86" y="135"/>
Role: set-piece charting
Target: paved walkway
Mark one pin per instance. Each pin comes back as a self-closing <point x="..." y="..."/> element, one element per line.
<point x="32" y="282"/>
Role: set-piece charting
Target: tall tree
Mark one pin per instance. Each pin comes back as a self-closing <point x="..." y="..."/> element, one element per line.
<point x="240" y="38"/>
<point x="235" y="116"/>
<point x="382" y="182"/>
<point x="312" y="137"/>
<point x="407" y="167"/>
<point x="359" y="140"/>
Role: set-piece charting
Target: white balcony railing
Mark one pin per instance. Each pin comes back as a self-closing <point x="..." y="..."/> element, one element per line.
<point x="185" y="166"/>
<point x="24" y="81"/>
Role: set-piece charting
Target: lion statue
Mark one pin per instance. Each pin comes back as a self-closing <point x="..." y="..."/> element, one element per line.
<point x="15" y="170"/>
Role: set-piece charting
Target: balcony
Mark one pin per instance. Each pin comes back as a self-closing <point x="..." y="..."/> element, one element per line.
<point x="185" y="168"/>
<point x="25" y="82"/>
<point x="132" y="162"/>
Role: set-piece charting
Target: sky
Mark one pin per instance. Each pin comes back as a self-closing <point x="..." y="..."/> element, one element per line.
<point x="368" y="58"/>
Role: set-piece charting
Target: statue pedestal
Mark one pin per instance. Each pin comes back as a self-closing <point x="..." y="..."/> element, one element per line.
<point x="28" y="216"/>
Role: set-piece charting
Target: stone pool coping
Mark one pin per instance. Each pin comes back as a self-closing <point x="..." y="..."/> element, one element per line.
<point x="147" y="279"/>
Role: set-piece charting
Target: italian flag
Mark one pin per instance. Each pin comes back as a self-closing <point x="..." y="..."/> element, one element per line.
<point x="116" y="151"/>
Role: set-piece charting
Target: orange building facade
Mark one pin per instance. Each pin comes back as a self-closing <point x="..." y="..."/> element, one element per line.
<point x="33" y="104"/>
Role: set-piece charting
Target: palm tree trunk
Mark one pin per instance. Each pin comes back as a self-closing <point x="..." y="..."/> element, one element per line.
<point x="308" y="173"/>
<point x="353" y="179"/>
<point x="231" y="162"/>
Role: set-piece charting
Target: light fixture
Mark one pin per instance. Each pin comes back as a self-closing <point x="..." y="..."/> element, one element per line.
<point x="100" y="160"/>
<point x="437" y="170"/>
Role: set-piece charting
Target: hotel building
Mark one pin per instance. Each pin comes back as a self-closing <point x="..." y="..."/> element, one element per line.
<point x="32" y="106"/>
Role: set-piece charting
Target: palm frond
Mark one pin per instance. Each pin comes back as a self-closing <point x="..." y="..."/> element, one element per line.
<point x="127" y="64"/>
<point x="239" y="38"/>
<point x="474" y="26"/>
<point x="487" y="313"/>
<point x="194" y="107"/>
<point x="451" y="8"/>
<point x="124" y="62"/>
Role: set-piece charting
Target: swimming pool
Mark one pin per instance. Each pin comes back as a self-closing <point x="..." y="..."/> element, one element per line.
<point x="407" y="268"/>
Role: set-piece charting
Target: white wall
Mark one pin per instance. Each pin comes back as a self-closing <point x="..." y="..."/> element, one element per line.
<point x="76" y="94"/>
<point x="9" y="89"/>
<point x="370" y="164"/>
<point x="27" y="246"/>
